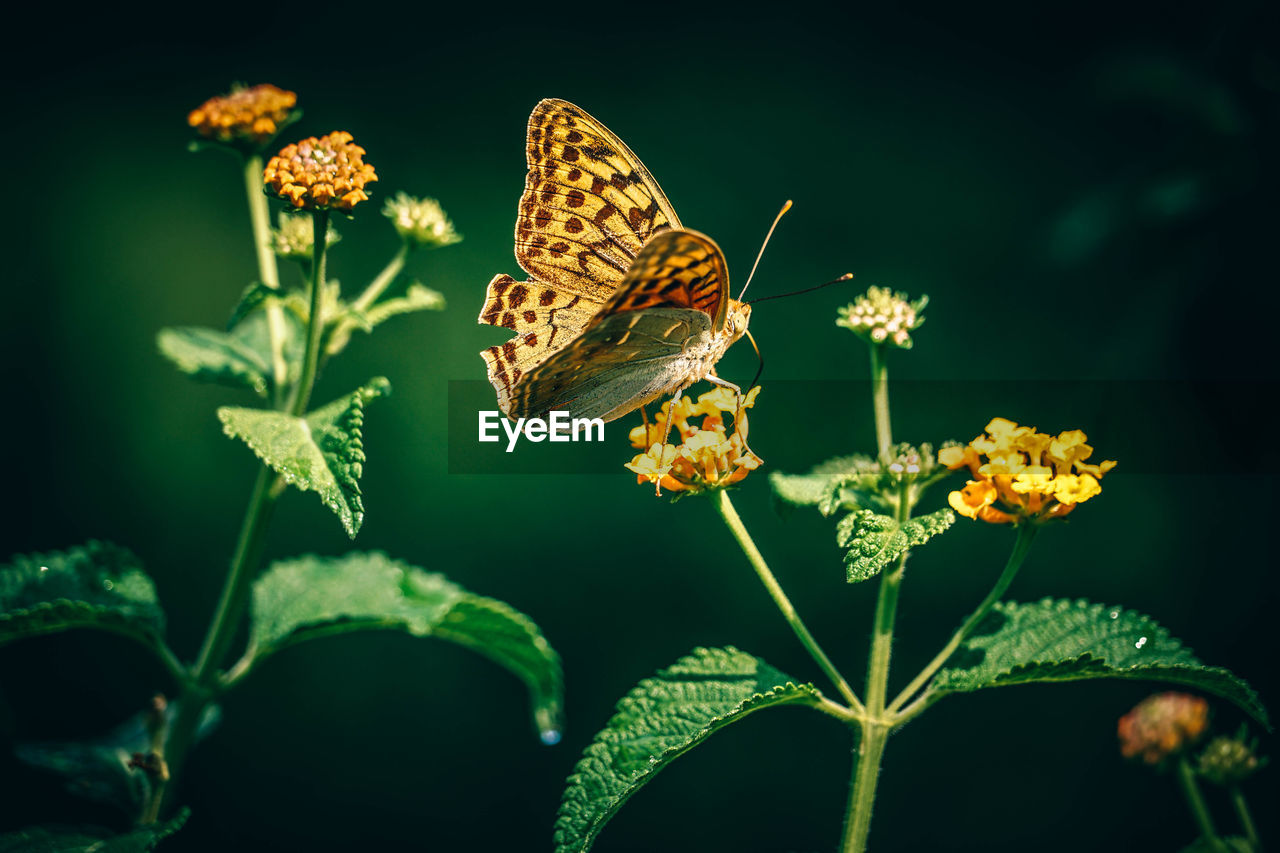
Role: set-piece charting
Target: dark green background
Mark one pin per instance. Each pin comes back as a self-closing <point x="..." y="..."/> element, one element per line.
<point x="1086" y="192"/>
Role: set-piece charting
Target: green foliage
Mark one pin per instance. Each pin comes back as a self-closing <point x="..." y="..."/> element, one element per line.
<point x="1064" y="640"/>
<point x="322" y="452"/>
<point x="876" y="540"/>
<point x="416" y="297"/>
<point x="824" y="486"/>
<point x="659" y="720"/>
<point x="308" y="597"/>
<point x="40" y="839"/>
<point x="97" y="585"/>
<point x="252" y="298"/>
<point x="213" y="356"/>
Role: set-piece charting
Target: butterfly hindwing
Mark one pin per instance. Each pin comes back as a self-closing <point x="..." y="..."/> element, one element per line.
<point x="635" y="348"/>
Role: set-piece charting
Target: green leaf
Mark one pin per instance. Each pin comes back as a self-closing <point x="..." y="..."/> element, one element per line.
<point x="213" y="356"/>
<point x="308" y="597"/>
<point x="417" y="297"/>
<point x="97" y="585"/>
<point x="1064" y="640"/>
<point x="41" y="839"/>
<point x="322" y="452"/>
<point x="876" y="540"/>
<point x="824" y="485"/>
<point x="660" y="719"/>
<point x="252" y="298"/>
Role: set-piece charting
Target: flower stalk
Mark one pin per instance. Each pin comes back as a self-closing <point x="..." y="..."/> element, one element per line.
<point x="268" y="271"/>
<point x="1195" y="801"/>
<point x="748" y="545"/>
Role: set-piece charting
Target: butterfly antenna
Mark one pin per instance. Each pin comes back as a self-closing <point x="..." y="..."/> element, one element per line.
<point x="785" y="208"/>
<point x="846" y="277"/>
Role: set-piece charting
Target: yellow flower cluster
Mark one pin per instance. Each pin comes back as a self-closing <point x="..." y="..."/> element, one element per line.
<point x="1026" y="475"/>
<point x="246" y="115"/>
<point x="317" y="174"/>
<point x="707" y="457"/>
<point x="1162" y="725"/>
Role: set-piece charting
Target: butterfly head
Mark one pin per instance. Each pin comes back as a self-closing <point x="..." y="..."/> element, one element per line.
<point x="736" y="319"/>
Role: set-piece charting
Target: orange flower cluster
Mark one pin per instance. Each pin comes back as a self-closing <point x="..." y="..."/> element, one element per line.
<point x="1030" y="474"/>
<point x="1162" y="725"/>
<point x="707" y="457"/>
<point x="246" y="115"/>
<point x="319" y="174"/>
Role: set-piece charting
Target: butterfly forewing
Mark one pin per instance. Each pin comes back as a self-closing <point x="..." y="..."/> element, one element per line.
<point x="589" y="204"/>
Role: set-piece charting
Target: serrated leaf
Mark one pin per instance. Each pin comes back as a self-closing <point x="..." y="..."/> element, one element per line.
<point x="297" y="600"/>
<point x="50" y="839"/>
<point x="213" y="356"/>
<point x="1064" y="640"/>
<point x="97" y="585"/>
<point x="322" y="452"/>
<point x="876" y="540"/>
<point x="823" y="486"/>
<point x="417" y="297"/>
<point x="659" y="720"/>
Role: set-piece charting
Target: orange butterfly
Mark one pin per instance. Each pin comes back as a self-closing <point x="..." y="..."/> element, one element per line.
<point x="623" y="305"/>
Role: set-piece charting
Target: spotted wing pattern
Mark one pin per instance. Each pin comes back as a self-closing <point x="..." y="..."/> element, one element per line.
<point x="637" y="347"/>
<point x="588" y="207"/>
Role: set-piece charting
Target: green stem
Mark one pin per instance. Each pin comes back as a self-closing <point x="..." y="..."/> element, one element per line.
<point x="748" y="545"/>
<point x="315" y="320"/>
<point x="1026" y="533"/>
<point x="862" y="795"/>
<point x="268" y="272"/>
<point x="1195" y="800"/>
<point x="1246" y="819"/>
<point x="876" y="727"/>
<point x="371" y="294"/>
<point x="204" y="683"/>
<point x="880" y="397"/>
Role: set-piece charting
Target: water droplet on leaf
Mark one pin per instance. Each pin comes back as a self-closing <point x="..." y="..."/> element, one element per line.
<point x="1142" y="641"/>
<point x="550" y="737"/>
<point x="108" y="585"/>
<point x="1114" y="614"/>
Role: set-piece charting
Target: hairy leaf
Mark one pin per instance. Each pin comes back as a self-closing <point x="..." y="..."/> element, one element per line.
<point x="50" y="839"/>
<point x="255" y="296"/>
<point x="1064" y="640"/>
<point x="97" y="585"/>
<point x="296" y="600"/>
<point x="661" y="719"/>
<point x="876" y="540"/>
<point x="322" y="452"/>
<point x="824" y="486"/>
<point x="213" y="356"/>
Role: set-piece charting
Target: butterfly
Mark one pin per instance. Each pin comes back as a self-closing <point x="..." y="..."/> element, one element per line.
<point x="623" y="304"/>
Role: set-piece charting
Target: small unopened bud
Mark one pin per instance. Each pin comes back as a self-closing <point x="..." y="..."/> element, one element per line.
<point x="1229" y="760"/>
<point x="293" y="239"/>
<point x="421" y="221"/>
<point x="883" y="316"/>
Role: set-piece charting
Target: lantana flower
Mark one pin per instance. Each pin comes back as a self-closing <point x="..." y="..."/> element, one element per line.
<point x="421" y="221"/>
<point x="1230" y="760"/>
<point x="322" y="173"/>
<point x="884" y="316"/>
<point x="1025" y="475"/>
<point x="1162" y="725"/>
<point x="250" y="116"/>
<point x="707" y="456"/>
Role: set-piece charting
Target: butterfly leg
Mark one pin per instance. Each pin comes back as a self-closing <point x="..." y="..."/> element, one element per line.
<point x="737" y="413"/>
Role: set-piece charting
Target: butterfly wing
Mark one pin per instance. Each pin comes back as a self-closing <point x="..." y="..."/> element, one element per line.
<point x="642" y="344"/>
<point x="588" y="207"/>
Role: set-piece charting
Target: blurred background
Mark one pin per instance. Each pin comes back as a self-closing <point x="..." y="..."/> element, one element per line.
<point x="1086" y="193"/>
